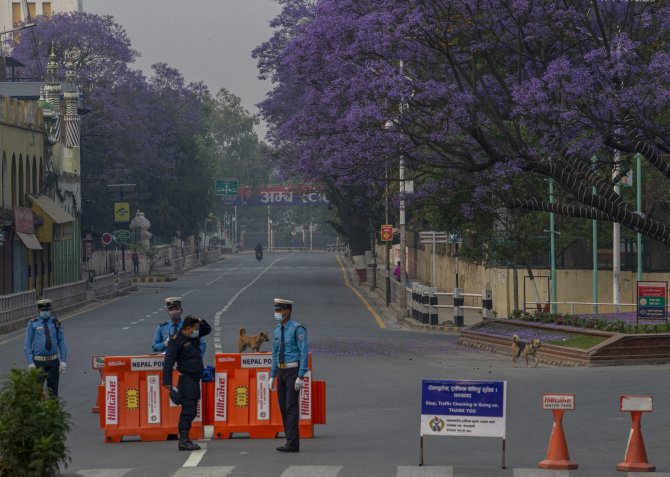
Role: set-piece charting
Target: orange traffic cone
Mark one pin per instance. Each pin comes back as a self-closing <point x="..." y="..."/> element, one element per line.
<point x="636" y="455"/>
<point x="557" y="453"/>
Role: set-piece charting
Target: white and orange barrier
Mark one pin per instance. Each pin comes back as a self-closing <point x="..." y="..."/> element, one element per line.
<point x="133" y="402"/>
<point x="243" y="403"/>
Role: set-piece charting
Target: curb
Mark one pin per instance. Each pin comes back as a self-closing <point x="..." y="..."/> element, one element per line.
<point x="153" y="279"/>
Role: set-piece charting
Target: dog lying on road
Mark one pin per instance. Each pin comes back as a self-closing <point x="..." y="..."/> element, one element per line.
<point x="252" y="342"/>
<point x="528" y="349"/>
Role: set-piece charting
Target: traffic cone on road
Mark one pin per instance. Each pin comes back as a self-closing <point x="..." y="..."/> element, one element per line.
<point x="636" y="455"/>
<point x="557" y="452"/>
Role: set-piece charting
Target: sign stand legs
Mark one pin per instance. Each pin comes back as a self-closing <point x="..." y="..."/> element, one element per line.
<point x="421" y="450"/>
<point x="503" y="453"/>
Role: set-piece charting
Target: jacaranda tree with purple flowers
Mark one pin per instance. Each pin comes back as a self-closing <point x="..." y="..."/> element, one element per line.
<point x="479" y="97"/>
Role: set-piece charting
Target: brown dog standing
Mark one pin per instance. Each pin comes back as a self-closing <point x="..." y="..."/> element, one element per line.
<point x="528" y="349"/>
<point x="252" y="342"/>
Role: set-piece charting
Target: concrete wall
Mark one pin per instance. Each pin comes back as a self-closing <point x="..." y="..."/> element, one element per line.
<point x="571" y="285"/>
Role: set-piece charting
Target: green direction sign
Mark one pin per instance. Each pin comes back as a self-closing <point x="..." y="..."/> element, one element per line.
<point x="122" y="237"/>
<point x="225" y="187"/>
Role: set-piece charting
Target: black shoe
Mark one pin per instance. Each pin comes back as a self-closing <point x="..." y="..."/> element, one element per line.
<point x="287" y="449"/>
<point x="188" y="446"/>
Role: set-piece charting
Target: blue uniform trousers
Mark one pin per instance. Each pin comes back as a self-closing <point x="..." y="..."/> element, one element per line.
<point x="189" y="389"/>
<point x="288" y="405"/>
<point x="51" y="368"/>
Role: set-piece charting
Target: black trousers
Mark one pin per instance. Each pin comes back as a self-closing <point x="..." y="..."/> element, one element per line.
<point x="189" y="389"/>
<point x="288" y="405"/>
<point x="51" y="368"/>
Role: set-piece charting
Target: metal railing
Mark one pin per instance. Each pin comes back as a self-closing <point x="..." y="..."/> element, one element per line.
<point x="69" y="294"/>
<point x="17" y="306"/>
<point x="104" y="285"/>
<point x="592" y="308"/>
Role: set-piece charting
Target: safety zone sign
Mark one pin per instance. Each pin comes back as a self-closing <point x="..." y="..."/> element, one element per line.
<point x="651" y="300"/>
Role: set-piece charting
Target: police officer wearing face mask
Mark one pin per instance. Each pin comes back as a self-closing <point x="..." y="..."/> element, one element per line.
<point x="44" y="343"/>
<point x="184" y="349"/>
<point x="290" y="354"/>
<point x="168" y="329"/>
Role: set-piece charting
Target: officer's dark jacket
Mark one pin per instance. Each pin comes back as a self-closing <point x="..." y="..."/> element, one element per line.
<point x="186" y="352"/>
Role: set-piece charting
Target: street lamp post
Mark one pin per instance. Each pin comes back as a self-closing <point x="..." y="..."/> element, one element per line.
<point x="403" y="294"/>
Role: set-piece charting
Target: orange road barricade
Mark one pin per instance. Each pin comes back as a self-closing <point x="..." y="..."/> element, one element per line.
<point x="243" y="403"/>
<point x="557" y="452"/>
<point x="636" y="455"/>
<point x="133" y="402"/>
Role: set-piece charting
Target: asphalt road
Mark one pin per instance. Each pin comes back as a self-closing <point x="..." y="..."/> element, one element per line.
<point x="373" y="376"/>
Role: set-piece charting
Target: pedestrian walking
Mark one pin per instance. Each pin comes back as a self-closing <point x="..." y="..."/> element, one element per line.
<point x="289" y="364"/>
<point x="136" y="263"/>
<point x="184" y="349"/>
<point x="396" y="272"/>
<point x="45" y="346"/>
<point x="167" y="329"/>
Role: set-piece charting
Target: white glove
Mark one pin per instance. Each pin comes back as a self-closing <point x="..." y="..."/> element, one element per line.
<point x="62" y="367"/>
<point x="299" y="384"/>
<point x="166" y="342"/>
<point x="271" y="384"/>
<point x="31" y="366"/>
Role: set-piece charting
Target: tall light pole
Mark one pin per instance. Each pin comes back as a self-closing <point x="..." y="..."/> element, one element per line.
<point x="403" y="295"/>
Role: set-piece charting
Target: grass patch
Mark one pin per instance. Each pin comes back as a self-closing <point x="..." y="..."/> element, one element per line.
<point x="579" y="341"/>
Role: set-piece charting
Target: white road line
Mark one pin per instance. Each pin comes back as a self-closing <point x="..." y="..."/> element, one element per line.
<point x="217" y="316"/>
<point x="312" y="471"/>
<point x="126" y="327"/>
<point x="196" y="456"/>
<point x="219" y="471"/>
<point x="425" y="471"/>
<point x="540" y="473"/>
<point x="133" y="322"/>
<point x="103" y="472"/>
<point x="147" y="316"/>
<point x="141" y="319"/>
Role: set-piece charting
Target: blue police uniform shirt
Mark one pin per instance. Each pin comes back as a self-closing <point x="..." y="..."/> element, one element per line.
<point x="296" y="348"/>
<point x="167" y="330"/>
<point x="35" y="341"/>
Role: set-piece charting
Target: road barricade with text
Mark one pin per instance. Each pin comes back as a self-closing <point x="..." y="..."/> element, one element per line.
<point x="241" y="401"/>
<point x="133" y="402"/>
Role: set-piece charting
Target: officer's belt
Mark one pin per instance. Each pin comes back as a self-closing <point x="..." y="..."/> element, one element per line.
<point x="294" y="364"/>
<point x="45" y="358"/>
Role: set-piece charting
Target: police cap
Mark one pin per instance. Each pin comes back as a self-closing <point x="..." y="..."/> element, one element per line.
<point x="281" y="303"/>
<point x="173" y="301"/>
<point x="44" y="303"/>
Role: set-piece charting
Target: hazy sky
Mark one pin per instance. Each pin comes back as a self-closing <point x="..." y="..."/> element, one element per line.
<point x="207" y="40"/>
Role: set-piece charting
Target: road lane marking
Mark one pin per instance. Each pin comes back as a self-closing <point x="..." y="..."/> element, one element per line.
<point x="217" y="316"/>
<point x="542" y="473"/>
<point x="126" y="327"/>
<point x="372" y="311"/>
<point x="425" y="471"/>
<point x="196" y="456"/>
<point x="312" y="471"/>
<point x="219" y="471"/>
<point x="103" y="472"/>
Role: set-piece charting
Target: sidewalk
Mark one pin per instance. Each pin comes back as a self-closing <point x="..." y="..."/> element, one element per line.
<point x="377" y="299"/>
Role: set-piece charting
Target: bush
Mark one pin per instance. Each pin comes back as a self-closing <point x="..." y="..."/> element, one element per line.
<point x="33" y="427"/>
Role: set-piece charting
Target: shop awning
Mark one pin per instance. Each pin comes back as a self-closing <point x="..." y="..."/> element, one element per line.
<point x="52" y="209"/>
<point x="30" y="241"/>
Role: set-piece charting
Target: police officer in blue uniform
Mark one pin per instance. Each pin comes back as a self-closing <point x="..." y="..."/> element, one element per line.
<point x="170" y="328"/>
<point x="289" y="365"/>
<point x="184" y="349"/>
<point x="44" y="343"/>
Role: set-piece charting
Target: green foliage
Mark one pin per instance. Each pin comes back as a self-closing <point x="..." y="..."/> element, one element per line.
<point x="611" y="326"/>
<point x="33" y="427"/>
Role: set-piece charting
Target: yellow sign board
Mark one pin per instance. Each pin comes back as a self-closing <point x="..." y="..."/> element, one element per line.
<point x="121" y="212"/>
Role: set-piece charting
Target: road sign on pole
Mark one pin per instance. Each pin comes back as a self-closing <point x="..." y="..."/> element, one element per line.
<point x="122" y="237"/>
<point x="387" y="233"/>
<point x="225" y="187"/>
<point x="106" y="238"/>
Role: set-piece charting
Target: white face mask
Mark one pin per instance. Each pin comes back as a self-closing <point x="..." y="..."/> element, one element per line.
<point x="45" y="314"/>
<point x="279" y="316"/>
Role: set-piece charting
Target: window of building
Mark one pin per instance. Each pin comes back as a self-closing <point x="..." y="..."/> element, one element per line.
<point x="46" y="9"/>
<point x="16" y="11"/>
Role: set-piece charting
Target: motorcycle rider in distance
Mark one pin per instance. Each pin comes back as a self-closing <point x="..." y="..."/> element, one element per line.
<point x="259" y="252"/>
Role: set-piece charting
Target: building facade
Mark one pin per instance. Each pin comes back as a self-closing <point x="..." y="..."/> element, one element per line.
<point x="40" y="199"/>
<point x="10" y="10"/>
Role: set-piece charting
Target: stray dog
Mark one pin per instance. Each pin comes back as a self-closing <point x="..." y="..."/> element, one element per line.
<point x="252" y="342"/>
<point x="528" y="349"/>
